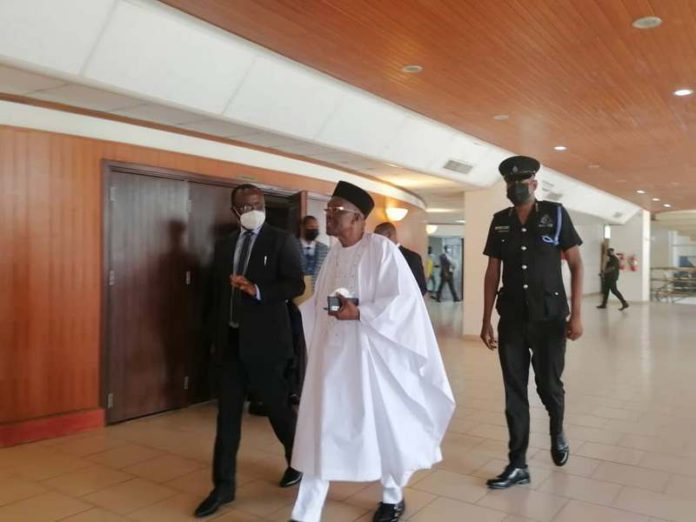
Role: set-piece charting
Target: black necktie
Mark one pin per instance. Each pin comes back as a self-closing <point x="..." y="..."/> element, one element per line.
<point x="240" y="269"/>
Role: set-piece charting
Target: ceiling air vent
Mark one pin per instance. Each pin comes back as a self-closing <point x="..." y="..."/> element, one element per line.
<point x="618" y="215"/>
<point x="458" y="166"/>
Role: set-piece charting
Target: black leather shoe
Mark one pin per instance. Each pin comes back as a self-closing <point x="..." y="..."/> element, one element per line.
<point x="509" y="477"/>
<point x="602" y="306"/>
<point x="290" y="478"/>
<point x="389" y="512"/>
<point x="212" y="503"/>
<point x="624" y="306"/>
<point x="560" y="450"/>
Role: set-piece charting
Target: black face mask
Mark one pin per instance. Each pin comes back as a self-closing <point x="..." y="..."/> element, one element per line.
<point x="311" y="234"/>
<point x="518" y="193"/>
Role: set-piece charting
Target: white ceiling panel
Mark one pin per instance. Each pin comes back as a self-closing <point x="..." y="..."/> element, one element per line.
<point x="305" y="149"/>
<point x="17" y="81"/>
<point x="283" y="96"/>
<point x="418" y="142"/>
<point x="56" y="34"/>
<point x="158" y="114"/>
<point x="363" y="124"/>
<point x="165" y="55"/>
<point x="220" y="128"/>
<point x="268" y="139"/>
<point x="81" y="96"/>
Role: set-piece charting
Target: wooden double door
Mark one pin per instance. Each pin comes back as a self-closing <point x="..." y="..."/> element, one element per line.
<point x="160" y="229"/>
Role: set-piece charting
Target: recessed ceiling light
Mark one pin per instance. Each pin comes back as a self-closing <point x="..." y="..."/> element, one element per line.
<point x="593" y="166"/>
<point x="412" y="69"/>
<point x="656" y="199"/>
<point x="667" y="205"/>
<point x="462" y="221"/>
<point x="640" y="191"/>
<point x="560" y="147"/>
<point x="501" y="117"/>
<point x="392" y="165"/>
<point x="647" y="22"/>
<point x="683" y="92"/>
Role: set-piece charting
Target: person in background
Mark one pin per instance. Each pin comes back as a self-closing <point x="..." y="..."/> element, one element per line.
<point x="526" y="241"/>
<point x="313" y="251"/>
<point x="610" y="276"/>
<point x="415" y="263"/>
<point x="447" y="269"/>
<point x="376" y="400"/>
<point x="430" y="267"/>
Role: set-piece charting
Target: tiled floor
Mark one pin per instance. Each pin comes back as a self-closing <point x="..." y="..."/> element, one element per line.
<point x="630" y="399"/>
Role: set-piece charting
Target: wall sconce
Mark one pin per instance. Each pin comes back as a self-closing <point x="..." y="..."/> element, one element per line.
<point x="430" y="229"/>
<point x="396" y="213"/>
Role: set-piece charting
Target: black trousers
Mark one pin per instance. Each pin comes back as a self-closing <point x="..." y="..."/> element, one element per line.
<point x="543" y="343"/>
<point x="609" y="285"/>
<point x="268" y="382"/>
<point x="450" y="282"/>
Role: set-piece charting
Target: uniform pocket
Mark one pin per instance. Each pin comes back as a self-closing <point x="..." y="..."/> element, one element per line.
<point x="555" y="304"/>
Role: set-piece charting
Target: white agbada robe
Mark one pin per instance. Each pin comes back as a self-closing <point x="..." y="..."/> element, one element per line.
<point x="376" y="400"/>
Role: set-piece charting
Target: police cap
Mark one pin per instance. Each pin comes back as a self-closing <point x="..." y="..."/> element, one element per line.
<point x="517" y="168"/>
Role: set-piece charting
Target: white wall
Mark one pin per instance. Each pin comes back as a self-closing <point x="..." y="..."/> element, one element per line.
<point x="591" y="231"/>
<point x="661" y="247"/>
<point x="633" y="238"/>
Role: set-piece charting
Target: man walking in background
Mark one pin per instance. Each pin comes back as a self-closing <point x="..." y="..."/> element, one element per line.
<point x="610" y="276"/>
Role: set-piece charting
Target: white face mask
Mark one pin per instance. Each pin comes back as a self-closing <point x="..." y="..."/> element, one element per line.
<point x="253" y="219"/>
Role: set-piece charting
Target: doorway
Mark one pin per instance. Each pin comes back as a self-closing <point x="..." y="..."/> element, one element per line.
<point x="160" y="228"/>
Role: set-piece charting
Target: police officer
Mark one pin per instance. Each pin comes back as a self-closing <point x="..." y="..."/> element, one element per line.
<point x="610" y="276"/>
<point x="528" y="239"/>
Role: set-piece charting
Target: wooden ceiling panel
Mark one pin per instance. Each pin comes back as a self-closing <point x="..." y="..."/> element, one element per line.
<point x="567" y="72"/>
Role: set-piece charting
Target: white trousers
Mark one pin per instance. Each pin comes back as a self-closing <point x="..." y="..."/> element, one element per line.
<point x="313" y="491"/>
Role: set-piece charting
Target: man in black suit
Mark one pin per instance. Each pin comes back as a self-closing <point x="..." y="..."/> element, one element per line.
<point x="414" y="261"/>
<point x="255" y="272"/>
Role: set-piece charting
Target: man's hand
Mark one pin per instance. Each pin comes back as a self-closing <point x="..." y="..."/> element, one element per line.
<point x="574" y="328"/>
<point x="488" y="336"/>
<point x="241" y="282"/>
<point x="348" y="310"/>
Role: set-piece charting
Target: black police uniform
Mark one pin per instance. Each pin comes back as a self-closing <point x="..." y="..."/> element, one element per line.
<point x="533" y="309"/>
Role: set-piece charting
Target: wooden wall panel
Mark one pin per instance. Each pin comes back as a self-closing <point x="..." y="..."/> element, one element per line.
<point x="50" y="261"/>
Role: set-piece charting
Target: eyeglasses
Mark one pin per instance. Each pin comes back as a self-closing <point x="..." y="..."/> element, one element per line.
<point x="336" y="210"/>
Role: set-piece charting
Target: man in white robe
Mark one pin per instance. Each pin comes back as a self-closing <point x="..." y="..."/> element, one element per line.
<point x="376" y="401"/>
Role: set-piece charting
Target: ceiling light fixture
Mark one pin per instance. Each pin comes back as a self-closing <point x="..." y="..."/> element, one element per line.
<point x="640" y="191"/>
<point x="593" y="166"/>
<point x="667" y="205"/>
<point x="647" y="22"/>
<point x="501" y="117"/>
<point x="656" y="199"/>
<point x="412" y="69"/>
<point x="396" y="213"/>
<point x="462" y="221"/>
<point x="430" y="229"/>
<point x="560" y="147"/>
<point x="683" y="92"/>
<point x="392" y="165"/>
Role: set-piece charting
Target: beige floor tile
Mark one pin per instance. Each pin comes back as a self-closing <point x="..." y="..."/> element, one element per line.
<point x="447" y="484"/>
<point x="449" y="510"/>
<point x="124" y="456"/>
<point x="233" y="515"/>
<point x="47" y="466"/>
<point x="524" y="502"/>
<point x="88" y="444"/>
<point x="681" y="465"/>
<point x="13" y="489"/>
<point x="680" y="486"/>
<point x="610" y="453"/>
<point x="656" y="504"/>
<point x="586" y="421"/>
<point x="581" y="488"/>
<point x="46" y="507"/>
<point x="178" y="508"/>
<point x="86" y="480"/>
<point x="130" y="496"/>
<point x="263" y="499"/>
<point x="490" y="431"/>
<point x="652" y="444"/>
<point x="95" y="515"/>
<point x="576" y="465"/>
<point x="601" y="435"/>
<point x="576" y="511"/>
<point x="632" y="476"/>
<point x="616" y="413"/>
<point x="165" y="467"/>
<point x="514" y="518"/>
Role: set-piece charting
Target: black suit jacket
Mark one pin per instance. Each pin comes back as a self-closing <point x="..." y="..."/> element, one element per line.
<point x="275" y="267"/>
<point x="415" y="263"/>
